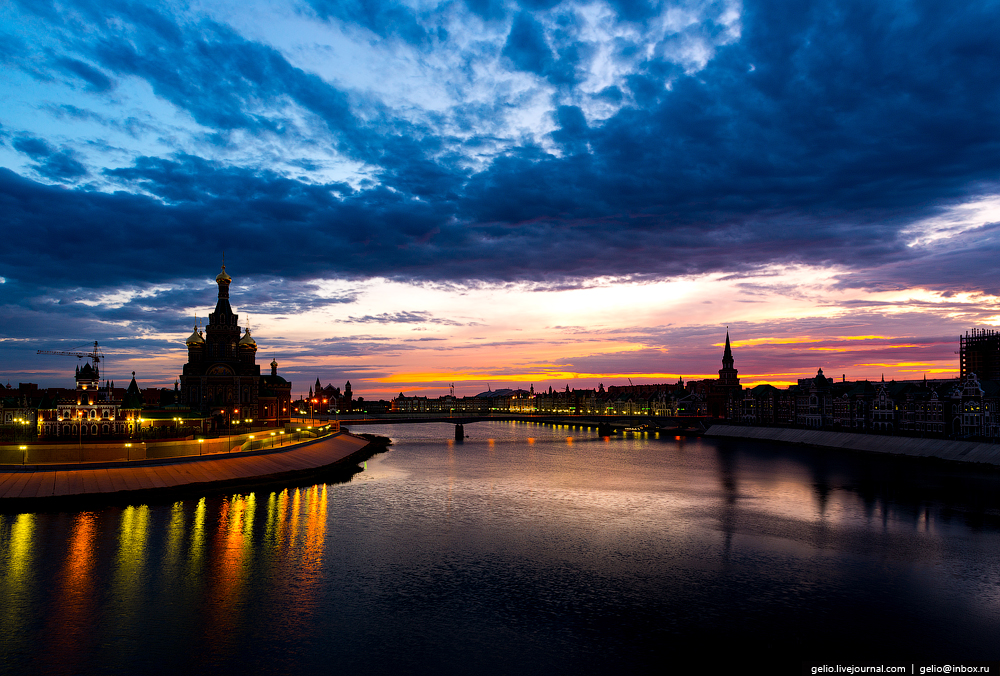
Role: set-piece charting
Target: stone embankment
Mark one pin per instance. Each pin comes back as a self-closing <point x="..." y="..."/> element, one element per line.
<point x="160" y="478"/>
<point x="945" y="449"/>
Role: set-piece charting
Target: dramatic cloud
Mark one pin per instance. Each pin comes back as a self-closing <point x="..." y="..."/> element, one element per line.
<point x="478" y="145"/>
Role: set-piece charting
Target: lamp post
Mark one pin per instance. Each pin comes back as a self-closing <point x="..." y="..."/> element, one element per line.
<point x="79" y="415"/>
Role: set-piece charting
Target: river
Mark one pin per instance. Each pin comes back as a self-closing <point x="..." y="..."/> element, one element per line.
<point x="523" y="549"/>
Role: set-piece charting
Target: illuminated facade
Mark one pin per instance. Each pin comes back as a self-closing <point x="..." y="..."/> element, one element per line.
<point x="93" y="412"/>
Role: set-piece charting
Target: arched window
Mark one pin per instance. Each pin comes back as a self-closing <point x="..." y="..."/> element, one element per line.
<point x="66" y="430"/>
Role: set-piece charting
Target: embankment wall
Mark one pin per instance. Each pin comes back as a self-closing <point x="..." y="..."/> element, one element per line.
<point x="946" y="449"/>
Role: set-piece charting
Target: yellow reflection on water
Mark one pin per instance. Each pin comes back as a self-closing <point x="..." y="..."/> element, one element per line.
<point x="18" y="552"/>
<point x="196" y="551"/>
<point x="133" y="532"/>
<point x="17" y="559"/>
<point x="277" y="511"/>
<point x="128" y="581"/>
<point x="175" y="537"/>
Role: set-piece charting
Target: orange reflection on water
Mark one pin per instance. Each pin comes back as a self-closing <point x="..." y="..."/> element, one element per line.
<point x="315" y="537"/>
<point x="69" y="630"/>
<point x="233" y="557"/>
<point x="299" y="543"/>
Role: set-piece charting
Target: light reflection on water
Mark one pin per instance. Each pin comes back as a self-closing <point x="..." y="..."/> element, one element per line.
<point x="521" y="548"/>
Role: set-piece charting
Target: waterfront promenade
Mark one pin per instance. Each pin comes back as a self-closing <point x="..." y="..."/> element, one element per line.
<point x="41" y="482"/>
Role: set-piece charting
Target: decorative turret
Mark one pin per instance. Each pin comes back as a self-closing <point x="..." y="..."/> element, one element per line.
<point x="195" y="339"/>
<point x="133" y="397"/>
<point x="247" y="341"/>
<point x="223" y="280"/>
<point x="87" y="378"/>
<point x="274" y="367"/>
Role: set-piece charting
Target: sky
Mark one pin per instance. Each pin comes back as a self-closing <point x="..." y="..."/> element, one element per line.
<point x="500" y="193"/>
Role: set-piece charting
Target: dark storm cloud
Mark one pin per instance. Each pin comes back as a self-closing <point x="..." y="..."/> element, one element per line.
<point x="817" y="137"/>
<point x="53" y="164"/>
<point x="528" y="49"/>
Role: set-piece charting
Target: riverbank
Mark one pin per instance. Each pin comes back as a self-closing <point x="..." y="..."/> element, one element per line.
<point x="156" y="479"/>
<point x="944" y="449"/>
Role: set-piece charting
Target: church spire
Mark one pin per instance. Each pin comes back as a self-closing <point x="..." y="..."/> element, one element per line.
<point x="728" y="374"/>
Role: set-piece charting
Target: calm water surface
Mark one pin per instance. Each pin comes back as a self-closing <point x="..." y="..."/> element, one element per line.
<point x="523" y="549"/>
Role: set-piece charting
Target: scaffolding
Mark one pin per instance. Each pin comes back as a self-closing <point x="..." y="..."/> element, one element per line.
<point x="979" y="352"/>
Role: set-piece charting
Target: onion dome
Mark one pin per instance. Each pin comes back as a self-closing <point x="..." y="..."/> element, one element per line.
<point x="223" y="277"/>
<point x="247" y="341"/>
<point x="195" y="338"/>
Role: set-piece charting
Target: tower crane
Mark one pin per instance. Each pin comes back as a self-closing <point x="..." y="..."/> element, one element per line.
<point x="94" y="356"/>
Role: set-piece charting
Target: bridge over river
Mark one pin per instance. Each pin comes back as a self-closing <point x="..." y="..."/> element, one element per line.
<point x="606" y="424"/>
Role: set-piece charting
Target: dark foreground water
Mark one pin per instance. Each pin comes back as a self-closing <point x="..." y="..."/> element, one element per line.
<point x="525" y="549"/>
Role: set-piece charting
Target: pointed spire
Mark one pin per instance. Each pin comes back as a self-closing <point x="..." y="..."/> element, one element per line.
<point x="729" y="350"/>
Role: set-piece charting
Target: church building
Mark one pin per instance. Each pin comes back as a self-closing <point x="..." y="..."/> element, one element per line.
<point x="222" y="377"/>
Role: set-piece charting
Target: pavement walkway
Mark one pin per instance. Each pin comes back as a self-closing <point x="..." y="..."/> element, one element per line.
<point x="162" y="475"/>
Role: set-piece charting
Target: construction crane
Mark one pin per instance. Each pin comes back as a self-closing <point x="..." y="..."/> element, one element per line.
<point x="94" y="355"/>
